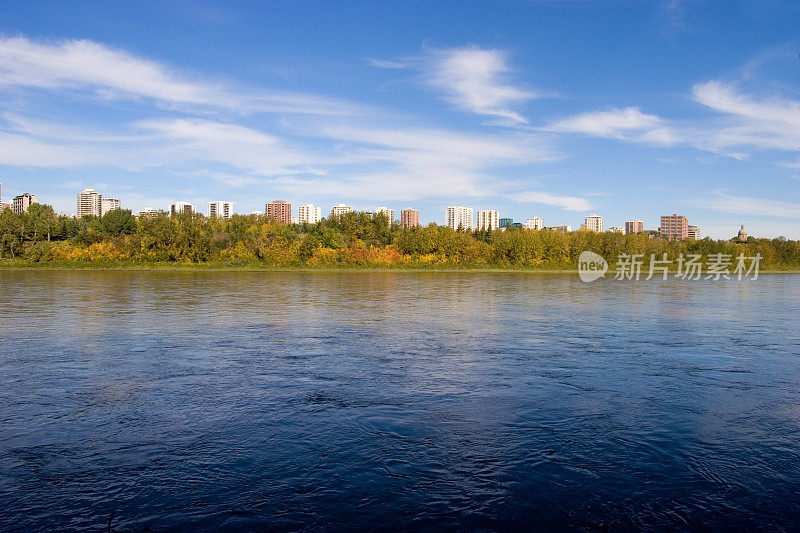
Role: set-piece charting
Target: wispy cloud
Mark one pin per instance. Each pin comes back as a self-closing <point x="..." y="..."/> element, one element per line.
<point x="766" y="123"/>
<point x="109" y="73"/>
<point x="748" y="206"/>
<point x="477" y="80"/>
<point x="236" y="146"/>
<point x="423" y="163"/>
<point x="383" y="63"/>
<point x="613" y="124"/>
<point x="22" y="151"/>
<point x="569" y="203"/>
<point x="739" y="123"/>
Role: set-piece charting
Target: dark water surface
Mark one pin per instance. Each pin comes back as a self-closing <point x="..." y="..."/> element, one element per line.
<point x="351" y="401"/>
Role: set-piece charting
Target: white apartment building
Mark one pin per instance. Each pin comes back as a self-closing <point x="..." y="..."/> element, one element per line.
<point x="308" y="214"/>
<point x="488" y="219"/>
<point x="89" y="203"/>
<point x="385" y="211"/>
<point x="534" y="223"/>
<point x="109" y="204"/>
<point x="340" y="209"/>
<point x="181" y="207"/>
<point x="458" y="216"/>
<point x="220" y="209"/>
<point x="694" y="232"/>
<point x="147" y="212"/>
<point x="22" y="202"/>
<point x="593" y="223"/>
<point x="617" y="229"/>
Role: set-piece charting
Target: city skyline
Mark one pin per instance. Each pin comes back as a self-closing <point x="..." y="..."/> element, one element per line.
<point x="519" y="113"/>
<point x="91" y="202"/>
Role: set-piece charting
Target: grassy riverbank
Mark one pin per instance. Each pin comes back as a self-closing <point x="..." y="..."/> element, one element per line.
<point x="21" y="264"/>
<point x="354" y="241"/>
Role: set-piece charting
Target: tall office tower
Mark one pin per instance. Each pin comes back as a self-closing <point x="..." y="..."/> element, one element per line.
<point x="220" y="209"/>
<point x="181" y="207"/>
<point x="675" y="227"/>
<point x="109" y="204"/>
<point x="89" y="203"/>
<point x="409" y="218"/>
<point x="385" y="211"/>
<point x="534" y="223"/>
<point x="339" y="210"/>
<point x="308" y="214"/>
<point x="458" y="216"/>
<point x="594" y="223"/>
<point x="506" y="222"/>
<point x="488" y="219"/>
<point x="280" y="211"/>
<point x="634" y="226"/>
<point x="23" y="202"/>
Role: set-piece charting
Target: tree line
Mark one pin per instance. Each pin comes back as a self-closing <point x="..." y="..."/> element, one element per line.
<point x="352" y="239"/>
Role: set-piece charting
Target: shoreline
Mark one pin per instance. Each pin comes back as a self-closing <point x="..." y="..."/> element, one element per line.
<point x="195" y="267"/>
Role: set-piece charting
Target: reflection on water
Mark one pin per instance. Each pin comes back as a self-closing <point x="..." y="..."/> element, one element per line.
<point x="334" y="400"/>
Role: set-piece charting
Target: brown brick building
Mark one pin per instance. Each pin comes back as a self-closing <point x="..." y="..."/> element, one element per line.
<point x="409" y="218"/>
<point x="280" y="211"/>
<point x="675" y="227"/>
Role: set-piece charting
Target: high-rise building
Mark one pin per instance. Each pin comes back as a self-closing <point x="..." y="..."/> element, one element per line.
<point x="593" y="223"/>
<point x="534" y="223"/>
<point x="109" y="204"/>
<point x="280" y="211"/>
<point x="147" y="212"/>
<point x="488" y="219"/>
<point x="634" y="226"/>
<point x="339" y="210"/>
<point x="308" y="214"/>
<point x="693" y="233"/>
<point x="409" y="218"/>
<point x="458" y="216"/>
<point x="89" y="203"/>
<point x="220" y="209"/>
<point x="506" y="222"/>
<point x="385" y="211"/>
<point x="181" y="207"/>
<point x="675" y="227"/>
<point x="22" y="202"/>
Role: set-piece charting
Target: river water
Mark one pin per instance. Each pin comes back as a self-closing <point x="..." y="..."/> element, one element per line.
<point x="409" y="401"/>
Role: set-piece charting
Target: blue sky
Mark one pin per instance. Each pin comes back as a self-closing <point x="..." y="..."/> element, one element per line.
<point x="557" y="109"/>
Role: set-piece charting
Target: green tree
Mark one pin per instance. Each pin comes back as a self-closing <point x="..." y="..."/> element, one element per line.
<point x="118" y="222"/>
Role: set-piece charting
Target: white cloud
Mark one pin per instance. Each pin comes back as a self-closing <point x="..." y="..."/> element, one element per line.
<point x="746" y="205"/>
<point x="382" y="63"/>
<point x="570" y="203"/>
<point x="741" y="124"/>
<point x="236" y="146"/>
<point x="22" y="151"/>
<point x="420" y="163"/>
<point x="762" y="124"/>
<point x="109" y="73"/>
<point x="474" y="79"/>
<point x="615" y="124"/>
